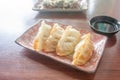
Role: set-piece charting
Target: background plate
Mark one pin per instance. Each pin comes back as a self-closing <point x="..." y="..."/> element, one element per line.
<point x="38" y="7"/>
<point x="26" y="40"/>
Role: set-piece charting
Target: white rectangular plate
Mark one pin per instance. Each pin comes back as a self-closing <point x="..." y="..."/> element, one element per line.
<point x="39" y="7"/>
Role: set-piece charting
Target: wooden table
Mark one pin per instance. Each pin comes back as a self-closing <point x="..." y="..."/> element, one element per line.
<point x="18" y="63"/>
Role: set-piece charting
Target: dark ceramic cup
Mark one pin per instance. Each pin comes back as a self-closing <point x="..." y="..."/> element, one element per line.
<point x="105" y="25"/>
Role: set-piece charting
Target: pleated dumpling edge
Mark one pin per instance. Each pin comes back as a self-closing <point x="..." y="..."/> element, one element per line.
<point x="52" y="41"/>
<point x="83" y="50"/>
<point x="68" y="41"/>
<point x="41" y="37"/>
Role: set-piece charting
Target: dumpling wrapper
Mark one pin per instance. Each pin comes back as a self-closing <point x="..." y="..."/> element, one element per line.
<point x="54" y="37"/>
<point x="41" y="37"/>
<point x="68" y="41"/>
<point x="83" y="50"/>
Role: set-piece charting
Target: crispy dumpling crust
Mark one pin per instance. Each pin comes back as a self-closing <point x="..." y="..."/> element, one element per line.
<point x="64" y="42"/>
<point x="83" y="50"/>
<point x="68" y="42"/>
<point x="52" y="41"/>
<point x="41" y="37"/>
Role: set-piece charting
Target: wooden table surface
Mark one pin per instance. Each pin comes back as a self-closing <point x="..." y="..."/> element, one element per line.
<point x="18" y="63"/>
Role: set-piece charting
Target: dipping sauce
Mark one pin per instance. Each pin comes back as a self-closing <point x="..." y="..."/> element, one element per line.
<point x="105" y="26"/>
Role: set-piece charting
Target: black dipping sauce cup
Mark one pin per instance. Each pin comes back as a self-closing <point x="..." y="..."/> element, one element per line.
<point x="105" y="25"/>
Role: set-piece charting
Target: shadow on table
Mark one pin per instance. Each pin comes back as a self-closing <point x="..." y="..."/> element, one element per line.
<point x="111" y="41"/>
<point x="69" y="71"/>
<point x="61" y="15"/>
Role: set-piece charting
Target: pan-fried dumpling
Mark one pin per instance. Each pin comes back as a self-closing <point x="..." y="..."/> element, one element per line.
<point x="55" y="35"/>
<point x="68" y="41"/>
<point x="41" y="37"/>
<point x="83" y="50"/>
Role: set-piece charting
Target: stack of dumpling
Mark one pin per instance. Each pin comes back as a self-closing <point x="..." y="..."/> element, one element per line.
<point x="64" y="42"/>
<point x="61" y="3"/>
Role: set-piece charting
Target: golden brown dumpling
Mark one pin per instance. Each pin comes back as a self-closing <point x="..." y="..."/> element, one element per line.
<point x="68" y="41"/>
<point x="55" y="35"/>
<point x="41" y="37"/>
<point x="83" y="50"/>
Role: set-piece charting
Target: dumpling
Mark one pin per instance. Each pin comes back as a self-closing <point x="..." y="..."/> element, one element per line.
<point x="55" y="35"/>
<point x="41" y="37"/>
<point x="68" y="41"/>
<point x="83" y="50"/>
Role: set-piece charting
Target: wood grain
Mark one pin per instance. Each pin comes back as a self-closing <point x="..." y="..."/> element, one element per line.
<point x="18" y="63"/>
